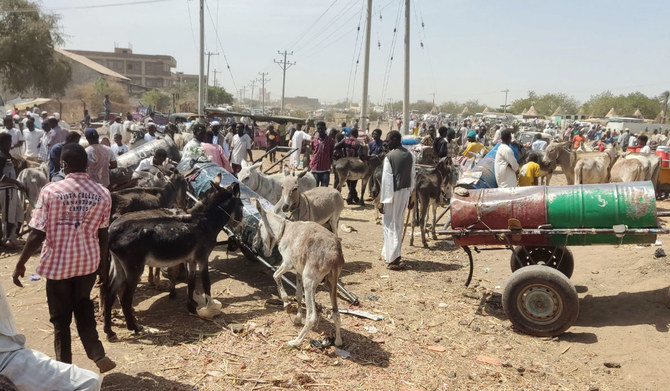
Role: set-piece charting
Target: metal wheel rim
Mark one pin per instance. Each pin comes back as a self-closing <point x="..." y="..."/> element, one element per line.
<point x="540" y="304"/>
<point x="545" y="257"/>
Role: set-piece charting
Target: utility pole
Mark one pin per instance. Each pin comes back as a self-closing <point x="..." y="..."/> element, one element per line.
<point x="284" y="65"/>
<point x="253" y="85"/>
<point x="243" y="92"/>
<point x="506" y="91"/>
<point x="263" y="80"/>
<point x="405" y="101"/>
<point x="366" y="69"/>
<point x="209" y="55"/>
<point x="201" y="94"/>
<point x="215" y="72"/>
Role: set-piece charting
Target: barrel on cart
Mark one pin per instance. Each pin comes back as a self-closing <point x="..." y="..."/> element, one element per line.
<point x="538" y="223"/>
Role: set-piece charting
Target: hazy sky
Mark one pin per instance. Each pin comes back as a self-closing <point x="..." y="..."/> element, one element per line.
<point x="472" y="49"/>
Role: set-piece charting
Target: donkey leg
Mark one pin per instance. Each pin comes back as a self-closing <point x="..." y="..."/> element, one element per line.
<point x="298" y="297"/>
<point x="422" y="220"/>
<point x="334" y="222"/>
<point x="126" y="294"/>
<point x="364" y="184"/>
<point x="110" y="297"/>
<point x="191" y="304"/>
<point x="310" y="285"/>
<point x="281" y="270"/>
<point x="332" y="282"/>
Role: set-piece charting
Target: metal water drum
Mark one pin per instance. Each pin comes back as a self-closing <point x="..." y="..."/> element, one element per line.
<point x="133" y="157"/>
<point x="602" y="206"/>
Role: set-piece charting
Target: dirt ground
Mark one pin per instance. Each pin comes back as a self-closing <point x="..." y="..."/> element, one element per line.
<point x="435" y="335"/>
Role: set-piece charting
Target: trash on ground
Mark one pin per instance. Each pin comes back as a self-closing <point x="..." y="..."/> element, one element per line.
<point x="362" y="314"/>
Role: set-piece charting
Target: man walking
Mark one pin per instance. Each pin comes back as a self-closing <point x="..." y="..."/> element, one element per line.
<point x="71" y="218"/>
<point x="397" y="185"/>
<point x="322" y="155"/>
<point x="10" y="204"/>
<point x="100" y="158"/>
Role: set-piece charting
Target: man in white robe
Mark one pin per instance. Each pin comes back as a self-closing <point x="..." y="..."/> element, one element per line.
<point x="32" y="370"/>
<point x="505" y="165"/>
<point x="296" y="142"/>
<point x="398" y="176"/>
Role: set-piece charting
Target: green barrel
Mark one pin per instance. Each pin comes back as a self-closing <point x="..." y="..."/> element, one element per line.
<point x="602" y="206"/>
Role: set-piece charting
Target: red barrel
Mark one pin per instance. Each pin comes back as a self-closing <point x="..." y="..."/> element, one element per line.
<point x="492" y="208"/>
<point x="665" y="157"/>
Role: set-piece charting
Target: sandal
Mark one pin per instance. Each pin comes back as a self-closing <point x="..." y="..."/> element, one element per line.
<point x="396" y="265"/>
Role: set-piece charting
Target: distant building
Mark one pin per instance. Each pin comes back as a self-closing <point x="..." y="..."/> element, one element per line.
<point x="302" y="103"/>
<point x="186" y="78"/>
<point x="84" y="71"/>
<point x="146" y="71"/>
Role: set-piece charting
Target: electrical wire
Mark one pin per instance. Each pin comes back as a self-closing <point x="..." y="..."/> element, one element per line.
<point x="389" y="64"/>
<point x="190" y="22"/>
<point x="333" y="26"/>
<point x="225" y="57"/>
<point x="354" y="61"/>
<point x="81" y="7"/>
<point x="304" y="34"/>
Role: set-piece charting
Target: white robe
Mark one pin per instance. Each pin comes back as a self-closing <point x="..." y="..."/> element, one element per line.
<point x="395" y="204"/>
<point x="296" y="142"/>
<point x="506" y="167"/>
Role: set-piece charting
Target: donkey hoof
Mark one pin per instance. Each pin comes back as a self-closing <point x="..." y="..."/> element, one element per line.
<point x="338" y="342"/>
<point x="138" y="329"/>
<point x="298" y="320"/>
<point x="111" y="336"/>
<point x="192" y="307"/>
<point x="294" y="344"/>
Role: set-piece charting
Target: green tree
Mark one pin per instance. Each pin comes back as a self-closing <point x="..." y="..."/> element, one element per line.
<point x="624" y="105"/>
<point x="159" y="100"/>
<point x="93" y="94"/>
<point x="665" y="95"/>
<point x="218" y="96"/>
<point x="27" y="57"/>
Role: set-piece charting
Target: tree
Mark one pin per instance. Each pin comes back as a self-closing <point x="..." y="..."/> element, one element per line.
<point x="624" y="105"/>
<point x="545" y="104"/>
<point x="93" y="93"/>
<point x="159" y="100"/>
<point x="219" y="96"/>
<point x="27" y="56"/>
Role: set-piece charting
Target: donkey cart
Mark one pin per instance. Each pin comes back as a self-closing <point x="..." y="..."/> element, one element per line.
<point x="538" y="224"/>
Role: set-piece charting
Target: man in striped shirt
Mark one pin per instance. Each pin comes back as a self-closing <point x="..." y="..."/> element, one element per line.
<point x="322" y="155"/>
<point x="71" y="218"/>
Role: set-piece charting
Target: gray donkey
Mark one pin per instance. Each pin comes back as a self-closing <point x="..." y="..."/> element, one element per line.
<point x="313" y="253"/>
<point x="322" y="205"/>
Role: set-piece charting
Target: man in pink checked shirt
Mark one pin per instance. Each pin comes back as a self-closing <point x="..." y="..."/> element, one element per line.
<point x="71" y="217"/>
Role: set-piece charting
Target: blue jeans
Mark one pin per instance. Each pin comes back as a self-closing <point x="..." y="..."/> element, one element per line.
<point x="322" y="178"/>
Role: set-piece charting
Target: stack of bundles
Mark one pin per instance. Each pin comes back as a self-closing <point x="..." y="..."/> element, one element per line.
<point x="132" y="158"/>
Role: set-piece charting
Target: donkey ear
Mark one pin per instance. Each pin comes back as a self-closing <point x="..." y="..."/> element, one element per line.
<point x="264" y="216"/>
<point x="234" y="188"/>
<point x="217" y="179"/>
<point x="256" y="166"/>
<point x="302" y="173"/>
<point x="287" y="172"/>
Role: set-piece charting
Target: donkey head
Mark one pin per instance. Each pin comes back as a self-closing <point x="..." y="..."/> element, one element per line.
<point x="290" y="196"/>
<point x="249" y="175"/>
<point x="223" y="204"/>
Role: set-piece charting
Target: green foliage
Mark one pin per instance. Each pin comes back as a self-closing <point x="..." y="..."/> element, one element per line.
<point x="159" y="100"/>
<point x="456" y="108"/>
<point x="545" y="104"/>
<point x="27" y="60"/>
<point x="218" y="96"/>
<point x="93" y="94"/>
<point x="624" y="105"/>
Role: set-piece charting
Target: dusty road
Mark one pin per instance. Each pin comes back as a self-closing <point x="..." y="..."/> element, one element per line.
<point x="435" y="335"/>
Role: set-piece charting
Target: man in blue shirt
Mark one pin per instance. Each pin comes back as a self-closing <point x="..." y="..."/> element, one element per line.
<point x="377" y="145"/>
<point x="345" y="129"/>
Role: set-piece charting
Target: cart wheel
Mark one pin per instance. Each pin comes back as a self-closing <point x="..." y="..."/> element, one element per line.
<point x="540" y="301"/>
<point x="543" y="255"/>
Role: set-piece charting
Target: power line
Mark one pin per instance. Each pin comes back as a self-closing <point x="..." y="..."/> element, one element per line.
<point x="333" y="24"/>
<point x="190" y="22"/>
<point x="353" y="57"/>
<point x="301" y="36"/>
<point x="284" y="65"/>
<point x="80" y="7"/>
<point x="387" y="73"/>
<point x="225" y="58"/>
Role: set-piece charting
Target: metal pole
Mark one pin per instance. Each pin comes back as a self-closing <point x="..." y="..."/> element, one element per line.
<point x="366" y="69"/>
<point x="284" y="65"/>
<point x="505" y="106"/>
<point x="405" y="101"/>
<point x="209" y="56"/>
<point x="253" y="85"/>
<point x="263" y="80"/>
<point x="201" y="95"/>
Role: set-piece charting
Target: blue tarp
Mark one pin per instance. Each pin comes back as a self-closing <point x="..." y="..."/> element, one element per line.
<point x="482" y="176"/>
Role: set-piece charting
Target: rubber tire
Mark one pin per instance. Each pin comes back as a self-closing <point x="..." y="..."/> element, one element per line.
<point x="546" y="279"/>
<point x="567" y="266"/>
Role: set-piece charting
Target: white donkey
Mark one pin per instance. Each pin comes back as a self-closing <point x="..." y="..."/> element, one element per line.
<point x="269" y="186"/>
<point x="313" y="253"/>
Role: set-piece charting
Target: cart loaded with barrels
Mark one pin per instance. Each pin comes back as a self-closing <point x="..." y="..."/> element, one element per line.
<point x="539" y="224"/>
